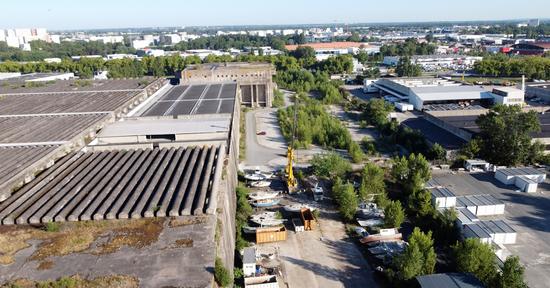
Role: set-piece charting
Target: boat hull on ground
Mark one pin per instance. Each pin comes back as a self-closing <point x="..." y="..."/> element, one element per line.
<point x="266" y="203"/>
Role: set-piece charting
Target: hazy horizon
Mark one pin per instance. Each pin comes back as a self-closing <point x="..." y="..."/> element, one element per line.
<point x="102" y="14"/>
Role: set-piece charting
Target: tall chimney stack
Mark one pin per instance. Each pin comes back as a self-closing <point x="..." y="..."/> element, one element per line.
<point x="523" y="83"/>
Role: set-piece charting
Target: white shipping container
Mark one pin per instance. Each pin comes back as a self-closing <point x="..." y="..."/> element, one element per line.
<point x="510" y="238"/>
<point x="499" y="209"/>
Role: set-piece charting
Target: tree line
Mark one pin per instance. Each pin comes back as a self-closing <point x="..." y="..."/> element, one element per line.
<point x="42" y="49"/>
<point x="533" y="67"/>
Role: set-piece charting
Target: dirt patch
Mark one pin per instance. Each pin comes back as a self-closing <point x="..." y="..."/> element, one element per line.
<point x="183" y="243"/>
<point x="45" y="265"/>
<point x="112" y="281"/>
<point x="138" y="236"/>
<point x="13" y="240"/>
<point x="178" y="222"/>
<point x="78" y="237"/>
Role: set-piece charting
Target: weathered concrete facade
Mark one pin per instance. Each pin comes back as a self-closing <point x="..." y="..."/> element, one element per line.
<point x="254" y="79"/>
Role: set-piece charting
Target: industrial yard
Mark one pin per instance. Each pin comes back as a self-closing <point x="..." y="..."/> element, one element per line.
<point x="523" y="212"/>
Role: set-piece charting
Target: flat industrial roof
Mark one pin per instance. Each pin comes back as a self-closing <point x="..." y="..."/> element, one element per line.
<point x="46" y="128"/>
<point x="61" y="103"/>
<point x="58" y="86"/>
<point x="137" y="126"/>
<point x="446" y="93"/>
<point x="468" y="123"/>
<point x="195" y="99"/>
<point x="435" y="134"/>
<point x="520" y="171"/>
<point x="449" y="280"/>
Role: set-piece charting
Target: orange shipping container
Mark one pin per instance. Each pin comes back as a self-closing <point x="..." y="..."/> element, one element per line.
<point x="267" y="235"/>
<point x="308" y="219"/>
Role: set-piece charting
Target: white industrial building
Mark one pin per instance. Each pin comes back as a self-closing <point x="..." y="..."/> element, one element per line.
<point x="433" y="62"/>
<point x="508" y="96"/>
<point x="525" y="178"/>
<point x="424" y="92"/>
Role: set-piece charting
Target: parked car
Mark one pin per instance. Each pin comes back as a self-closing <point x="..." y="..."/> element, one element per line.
<point x="261" y="133"/>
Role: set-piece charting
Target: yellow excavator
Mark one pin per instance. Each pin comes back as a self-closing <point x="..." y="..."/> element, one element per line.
<point x="291" y="181"/>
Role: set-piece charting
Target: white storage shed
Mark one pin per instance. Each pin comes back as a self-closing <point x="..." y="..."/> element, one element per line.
<point x="525" y="178"/>
<point x="500" y="231"/>
<point x="473" y="165"/>
<point x="464" y="217"/>
<point x="476" y="231"/>
<point x="443" y="198"/>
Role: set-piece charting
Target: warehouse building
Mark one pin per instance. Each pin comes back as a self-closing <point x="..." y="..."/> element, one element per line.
<point x="254" y="79"/>
<point x="462" y="124"/>
<point x="440" y="94"/>
<point x="68" y="116"/>
<point x="538" y="91"/>
<point x="170" y="159"/>
<point x="537" y="48"/>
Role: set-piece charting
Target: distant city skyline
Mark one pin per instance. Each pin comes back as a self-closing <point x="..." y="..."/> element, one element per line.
<point x="98" y="14"/>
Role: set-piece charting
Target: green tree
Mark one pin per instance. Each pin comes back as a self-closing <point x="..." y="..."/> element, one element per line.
<point x="472" y="256"/>
<point x="505" y="135"/>
<point x="372" y="182"/>
<point x="437" y="152"/>
<point x="377" y="112"/>
<point x="419" y="257"/>
<point x="330" y="165"/>
<point x="394" y="215"/>
<point x="512" y="275"/>
<point x="305" y="55"/>
<point x="411" y="173"/>
<point x="420" y="203"/>
<point x="278" y="99"/>
<point x="405" y="68"/>
<point x="345" y="196"/>
<point x="339" y="64"/>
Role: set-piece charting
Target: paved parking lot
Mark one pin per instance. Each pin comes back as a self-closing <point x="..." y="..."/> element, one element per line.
<point x="528" y="214"/>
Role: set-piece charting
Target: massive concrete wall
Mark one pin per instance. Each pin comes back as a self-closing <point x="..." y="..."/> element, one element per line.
<point x="255" y="79"/>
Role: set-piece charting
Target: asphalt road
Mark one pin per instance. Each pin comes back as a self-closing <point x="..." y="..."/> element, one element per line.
<point x="257" y="154"/>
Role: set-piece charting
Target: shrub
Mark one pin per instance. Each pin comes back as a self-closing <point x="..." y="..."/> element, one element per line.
<point x="221" y="275"/>
<point x="51" y="227"/>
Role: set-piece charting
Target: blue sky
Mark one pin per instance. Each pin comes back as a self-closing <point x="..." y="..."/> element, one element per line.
<point x="76" y="14"/>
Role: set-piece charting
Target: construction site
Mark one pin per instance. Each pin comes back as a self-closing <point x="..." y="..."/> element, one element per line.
<point x="98" y="176"/>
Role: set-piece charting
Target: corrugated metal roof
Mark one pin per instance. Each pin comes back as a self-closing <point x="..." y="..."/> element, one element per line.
<point x="478" y="231"/>
<point x="249" y="255"/>
<point x="520" y="171"/>
<point x="442" y="192"/>
<point x="466" y="216"/>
